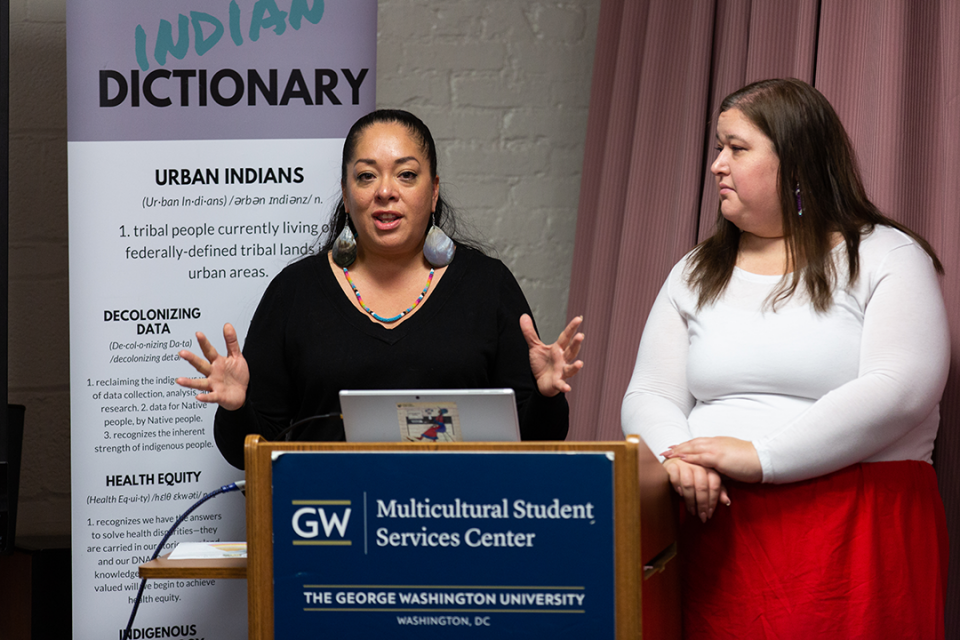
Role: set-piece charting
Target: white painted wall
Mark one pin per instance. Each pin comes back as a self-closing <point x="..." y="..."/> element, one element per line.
<point x="503" y="84"/>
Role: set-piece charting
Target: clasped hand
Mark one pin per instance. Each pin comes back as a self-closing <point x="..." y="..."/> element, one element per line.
<point x="225" y="377"/>
<point x="553" y="364"/>
<point x="696" y="467"/>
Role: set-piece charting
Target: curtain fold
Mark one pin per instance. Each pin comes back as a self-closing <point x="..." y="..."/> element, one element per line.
<point x="661" y="68"/>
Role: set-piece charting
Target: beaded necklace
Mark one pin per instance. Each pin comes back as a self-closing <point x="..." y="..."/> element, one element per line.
<point x="399" y="315"/>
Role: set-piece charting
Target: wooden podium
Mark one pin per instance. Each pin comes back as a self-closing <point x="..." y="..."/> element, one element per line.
<point x="644" y="530"/>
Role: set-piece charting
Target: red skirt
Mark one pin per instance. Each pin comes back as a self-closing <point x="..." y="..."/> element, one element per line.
<point x="859" y="553"/>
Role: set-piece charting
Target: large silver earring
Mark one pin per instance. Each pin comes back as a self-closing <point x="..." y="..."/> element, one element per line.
<point x="438" y="248"/>
<point x="345" y="247"/>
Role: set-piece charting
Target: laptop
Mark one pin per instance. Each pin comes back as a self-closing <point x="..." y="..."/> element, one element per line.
<point x="430" y="415"/>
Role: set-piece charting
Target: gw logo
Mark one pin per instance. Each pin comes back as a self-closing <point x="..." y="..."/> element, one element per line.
<point x="308" y="521"/>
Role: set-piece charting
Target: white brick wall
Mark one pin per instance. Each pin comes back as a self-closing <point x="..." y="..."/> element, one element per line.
<point x="503" y="84"/>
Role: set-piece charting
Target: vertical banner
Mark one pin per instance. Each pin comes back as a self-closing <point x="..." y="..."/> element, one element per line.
<point x="204" y="143"/>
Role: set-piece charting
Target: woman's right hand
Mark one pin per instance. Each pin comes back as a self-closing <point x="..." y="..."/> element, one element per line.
<point x="224" y="377"/>
<point x="700" y="487"/>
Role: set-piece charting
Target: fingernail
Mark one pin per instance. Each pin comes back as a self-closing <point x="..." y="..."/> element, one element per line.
<point x="710" y="513"/>
<point x="727" y="502"/>
<point x="703" y="518"/>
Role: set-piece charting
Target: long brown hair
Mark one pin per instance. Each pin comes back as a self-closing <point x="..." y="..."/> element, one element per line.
<point x="815" y="155"/>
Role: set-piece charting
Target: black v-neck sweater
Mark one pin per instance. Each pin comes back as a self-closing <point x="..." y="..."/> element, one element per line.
<point x="307" y="342"/>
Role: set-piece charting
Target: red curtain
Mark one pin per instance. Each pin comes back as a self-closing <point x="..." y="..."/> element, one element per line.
<point x="661" y="67"/>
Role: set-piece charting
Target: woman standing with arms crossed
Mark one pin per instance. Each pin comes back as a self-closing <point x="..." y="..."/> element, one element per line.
<point x="803" y="346"/>
<point x="433" y="313"/>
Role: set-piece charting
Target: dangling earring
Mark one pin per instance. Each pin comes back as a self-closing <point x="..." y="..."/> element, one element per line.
<point x="796" y="192"/>
<point x="438" y="248"/>
<point x="345" y="247"/>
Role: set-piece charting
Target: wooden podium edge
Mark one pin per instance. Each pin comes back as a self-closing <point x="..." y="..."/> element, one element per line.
<point x="660" y="588"/>
<point x="221" y="568"/>
<point x="259" y="477"/>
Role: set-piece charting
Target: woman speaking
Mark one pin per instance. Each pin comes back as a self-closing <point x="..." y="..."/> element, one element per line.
<point x="391" y="302"/>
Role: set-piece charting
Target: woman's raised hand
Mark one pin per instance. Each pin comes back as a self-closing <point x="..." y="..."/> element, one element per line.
<point x="553" y="364"/>
<point x="224" y="377"/>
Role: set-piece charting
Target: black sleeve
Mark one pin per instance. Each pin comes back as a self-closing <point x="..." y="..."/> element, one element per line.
<point x="269" y="405"/>
<point x="541" y="418"/>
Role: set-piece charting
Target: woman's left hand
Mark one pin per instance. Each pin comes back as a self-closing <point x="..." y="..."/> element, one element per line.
<point x="553" y="364"/>
<point x="732" y="457"/>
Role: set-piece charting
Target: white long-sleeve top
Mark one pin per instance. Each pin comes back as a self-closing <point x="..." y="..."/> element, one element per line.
<point x="814" y="392"/>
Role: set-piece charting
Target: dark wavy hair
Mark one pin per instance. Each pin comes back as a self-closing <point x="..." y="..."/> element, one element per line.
<point x="444" y="216"/>
<point x="815" y="154"/>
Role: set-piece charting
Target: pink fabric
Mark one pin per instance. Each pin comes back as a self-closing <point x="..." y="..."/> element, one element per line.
<point x="661" y="67"/>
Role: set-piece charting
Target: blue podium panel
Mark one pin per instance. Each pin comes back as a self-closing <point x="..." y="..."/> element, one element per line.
<point x="443" y="544"/>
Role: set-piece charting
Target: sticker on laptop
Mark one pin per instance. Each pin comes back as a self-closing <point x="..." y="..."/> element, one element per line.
<point x="429" y="422"/>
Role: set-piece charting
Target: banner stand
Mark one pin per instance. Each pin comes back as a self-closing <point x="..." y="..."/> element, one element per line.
<point x="204" y="146"/>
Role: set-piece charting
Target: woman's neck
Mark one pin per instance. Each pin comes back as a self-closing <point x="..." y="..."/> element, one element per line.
<point x="387" y="268"/>
<point x="763" y="256"/>
<point x="389" y="284"/>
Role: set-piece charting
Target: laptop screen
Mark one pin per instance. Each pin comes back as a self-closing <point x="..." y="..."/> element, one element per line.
<point x="430" y="415"/>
